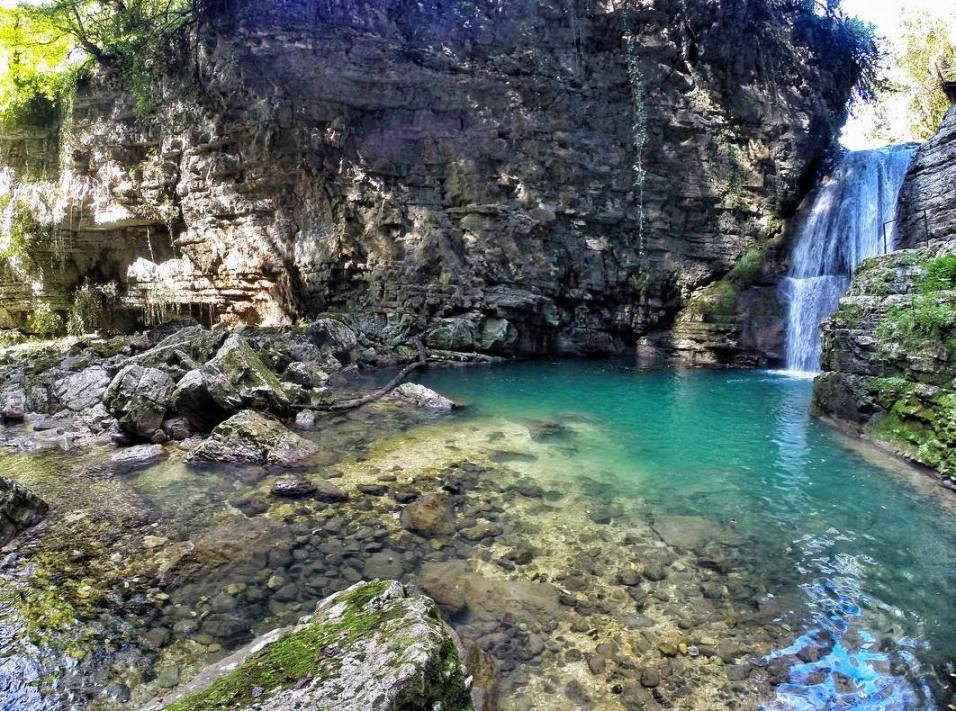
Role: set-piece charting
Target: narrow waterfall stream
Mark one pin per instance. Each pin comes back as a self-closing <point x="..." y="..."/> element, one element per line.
<point x="844" y="227"/>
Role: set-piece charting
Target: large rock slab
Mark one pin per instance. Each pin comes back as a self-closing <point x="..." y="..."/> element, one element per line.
<point x="20" y="509"/>
<point x="373" y="647"/>
<point x="138" y="398"/>
<point x="249" y="437"/>
<point x="82" y="390"/>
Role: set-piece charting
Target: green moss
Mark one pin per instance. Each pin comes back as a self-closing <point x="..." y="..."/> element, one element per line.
<point x="923" y="428"/>
<point x="928" y="317"/>
<point x="939" y="274"/>
<point x="296" y="656"/>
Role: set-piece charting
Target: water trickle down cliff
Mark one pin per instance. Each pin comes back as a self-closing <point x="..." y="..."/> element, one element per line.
<point x="852" y="217"/>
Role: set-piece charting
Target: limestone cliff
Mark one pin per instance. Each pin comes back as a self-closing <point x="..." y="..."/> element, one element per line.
<point x="889" y="355"/>
<point x="523" y="177"/>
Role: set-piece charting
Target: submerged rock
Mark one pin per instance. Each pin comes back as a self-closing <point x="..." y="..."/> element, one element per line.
<point x="293" y="487"/>
<point x="138" y="456"/>
<point x="375" y="646"/>
<point x="429" y="515"/>
<point x="20" y="509"/>
<point x="420" y="396"/>
<point x="250" y="437"/>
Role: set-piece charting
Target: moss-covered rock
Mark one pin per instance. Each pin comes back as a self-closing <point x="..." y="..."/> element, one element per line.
<point x="373" y="647"/>
<point x="249" y="437"/>
<point x="889" y="355"/>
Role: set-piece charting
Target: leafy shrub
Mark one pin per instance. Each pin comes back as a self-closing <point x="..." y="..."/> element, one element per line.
<point x="92" y="308"/>
<point x="44" y="321"/>
<point x="940" y="274"/>
<point x="40" y="43"/>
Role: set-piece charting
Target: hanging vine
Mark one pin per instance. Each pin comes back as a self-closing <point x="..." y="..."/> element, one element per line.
<point x="638" y="130"/>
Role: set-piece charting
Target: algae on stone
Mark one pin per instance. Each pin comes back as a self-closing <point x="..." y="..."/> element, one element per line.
<point x="374" y="646"/>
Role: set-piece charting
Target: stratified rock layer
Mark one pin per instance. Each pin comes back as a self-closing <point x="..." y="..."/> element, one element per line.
<point x="372" y="647"/>
<point x="462" y="169"/>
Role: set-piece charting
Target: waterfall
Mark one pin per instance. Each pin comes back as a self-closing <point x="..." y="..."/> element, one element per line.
<point x="843" y="227"/>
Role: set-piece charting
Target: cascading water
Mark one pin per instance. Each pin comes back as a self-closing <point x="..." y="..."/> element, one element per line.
<point x="844" y="227"/>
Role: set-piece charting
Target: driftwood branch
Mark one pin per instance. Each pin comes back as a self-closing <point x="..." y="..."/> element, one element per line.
<point x="382" y="392"/>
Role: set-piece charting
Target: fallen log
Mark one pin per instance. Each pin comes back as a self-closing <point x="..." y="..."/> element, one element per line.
<point x="381" y="392"/>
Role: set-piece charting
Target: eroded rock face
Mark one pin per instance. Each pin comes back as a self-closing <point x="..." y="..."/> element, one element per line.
<point x="373" y="647"/>
<point x="463" y="170"/>
<point x="249" y="437"/>
<point x="20" y="509"/>
<point x="927" y="210"/>
<point x="888" y="370"/>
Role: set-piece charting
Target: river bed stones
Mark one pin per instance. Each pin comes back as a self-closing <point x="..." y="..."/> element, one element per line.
<point x="293" y="487"/>
<point x="538" y="596"/>
<point x="138" y="456"/>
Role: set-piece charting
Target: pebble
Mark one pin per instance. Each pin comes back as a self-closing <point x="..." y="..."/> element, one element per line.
<point x="650" y="677"/>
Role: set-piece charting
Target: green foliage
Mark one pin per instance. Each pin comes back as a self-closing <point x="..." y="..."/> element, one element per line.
<point x="135" y="38"/>
<point x="852" y="52"/>
<point x="925" y="55"/>
<point x="44" y="321"/>
<point x="92" y="308"/>
<point x="931" y="315"/>
<point x="940" y="274"/>
<point x="35" y="66"/>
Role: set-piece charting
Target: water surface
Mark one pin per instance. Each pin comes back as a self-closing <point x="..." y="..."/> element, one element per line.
<point x="612" y="525"/>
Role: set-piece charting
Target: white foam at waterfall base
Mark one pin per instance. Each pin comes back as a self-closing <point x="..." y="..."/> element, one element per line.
<point x="844" y="226"/>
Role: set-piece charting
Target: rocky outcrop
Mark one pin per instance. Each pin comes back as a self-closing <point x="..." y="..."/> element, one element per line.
<point x="927" y="208"/>
<point x="19" y="510"/>
<point x="176" y="383"/>
<point x="521" y="177"/>
<point x="889" y="351"/>
<point x="376" y="646"/>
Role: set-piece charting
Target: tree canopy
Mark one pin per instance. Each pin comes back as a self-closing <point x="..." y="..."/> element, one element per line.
<point x="912" y="107"/>
<point x="44" y="47"/>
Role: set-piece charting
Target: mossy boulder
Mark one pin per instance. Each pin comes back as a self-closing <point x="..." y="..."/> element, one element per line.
<point x="376" y="646"/>
<point x="249" y="437"/>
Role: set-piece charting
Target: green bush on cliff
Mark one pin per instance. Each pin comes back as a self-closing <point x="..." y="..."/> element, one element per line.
<point x="35" y="66"/>
<point x="931" y="315"/>
<point x="48" y="46"/>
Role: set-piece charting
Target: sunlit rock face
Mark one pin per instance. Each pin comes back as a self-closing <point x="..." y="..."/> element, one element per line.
<point x="528" y="176"/>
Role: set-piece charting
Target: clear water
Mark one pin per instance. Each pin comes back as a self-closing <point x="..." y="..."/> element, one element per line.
<point x="872" y="551"/>
<point x="824" y="545"/>
<point x="851" y="218"/>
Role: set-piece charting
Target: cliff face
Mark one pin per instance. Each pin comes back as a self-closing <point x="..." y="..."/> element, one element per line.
<point x="889" y="351"/>
<point x="559" y="176"/>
